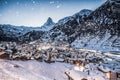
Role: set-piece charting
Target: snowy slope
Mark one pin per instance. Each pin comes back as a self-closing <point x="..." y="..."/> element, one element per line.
<point x="81" y="13"/>
<point x="67" y="26"/>
<point x="33" y="70"/>
<point x="107" y="43"/>
<point x="12" y="33"/>
<point x="101" y="31"/>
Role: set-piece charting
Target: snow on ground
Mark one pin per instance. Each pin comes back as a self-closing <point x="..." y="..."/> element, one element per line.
<point x="34" y="70"/>
<point x="90" y="72"/>
<point x="96" y="43"/>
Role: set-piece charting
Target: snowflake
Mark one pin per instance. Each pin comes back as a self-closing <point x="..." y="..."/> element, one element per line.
<point x="52" y="2"/>
<point x="58" y="6"/>
<point x="6" y="2"/>
<point x="33" y="2"/>
<point x="17" y="3"/>
<point x="57" y="1"/>
<point x="0" y="15"/>
<point x="26" y="5"/>
<point x="17" y="13"/>
<point x="32" y="8"/>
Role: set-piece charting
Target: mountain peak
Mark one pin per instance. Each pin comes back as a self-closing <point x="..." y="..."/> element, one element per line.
<point x="85" y="12"/>
<point x="49" y="22"/>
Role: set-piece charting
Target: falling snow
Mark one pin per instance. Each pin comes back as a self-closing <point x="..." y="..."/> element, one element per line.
<point x="17" y="3"/>
<point x="52" y="2"/>
<point x="58" y="6"/>
<point x="6" y="2"/>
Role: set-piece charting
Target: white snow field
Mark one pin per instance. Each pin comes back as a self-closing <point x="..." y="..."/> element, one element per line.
<point x="34" y="70"/>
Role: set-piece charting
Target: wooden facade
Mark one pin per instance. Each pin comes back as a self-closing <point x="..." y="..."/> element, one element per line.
<point x="118" y="75"/>
<point x="113" y="75"/>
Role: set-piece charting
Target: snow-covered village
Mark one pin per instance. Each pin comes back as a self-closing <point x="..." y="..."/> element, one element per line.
<point x="82" y="46"/>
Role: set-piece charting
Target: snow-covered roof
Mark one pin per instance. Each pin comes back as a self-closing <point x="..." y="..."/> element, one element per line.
<point x="8" y="50"/>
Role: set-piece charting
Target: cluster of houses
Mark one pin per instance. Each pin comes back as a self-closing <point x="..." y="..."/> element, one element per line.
<point x="50" y="51"/>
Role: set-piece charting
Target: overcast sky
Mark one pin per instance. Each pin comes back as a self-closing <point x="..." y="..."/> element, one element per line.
<point x="36" y="12"/>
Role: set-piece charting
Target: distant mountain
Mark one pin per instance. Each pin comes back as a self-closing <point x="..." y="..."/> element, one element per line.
<point x="41" y="33"/>
<point x="24" y="33"/>
<point x="49" y="24"/>
<point x="10" y="32"/>
<point x="18" y="33"/>
<point x="13" y="33"/>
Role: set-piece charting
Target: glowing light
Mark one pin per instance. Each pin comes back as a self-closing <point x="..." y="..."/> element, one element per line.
<point x="108" y="75"/>
<point x="44" y="47"/>
<point x="79" y="68"/>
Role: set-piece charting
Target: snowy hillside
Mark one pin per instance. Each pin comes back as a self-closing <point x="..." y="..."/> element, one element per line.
<point x="12" y="33"/>
<point x="77" y="16"/>
<point x="107" y="43"/>
<point x="32" y="70"/>
<point x="103" y="33"/>
<point x="97" y="29"/>
<point x="65" y="27"/>
<point x="19" y="70"/>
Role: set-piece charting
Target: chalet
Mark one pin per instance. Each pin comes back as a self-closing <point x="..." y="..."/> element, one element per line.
<point x="1" y="49"/>
<point x="2" y="53"/>
<point x="111" y="75"/>
<point x="117" y="74"/>
<point x="84" y="79"/>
